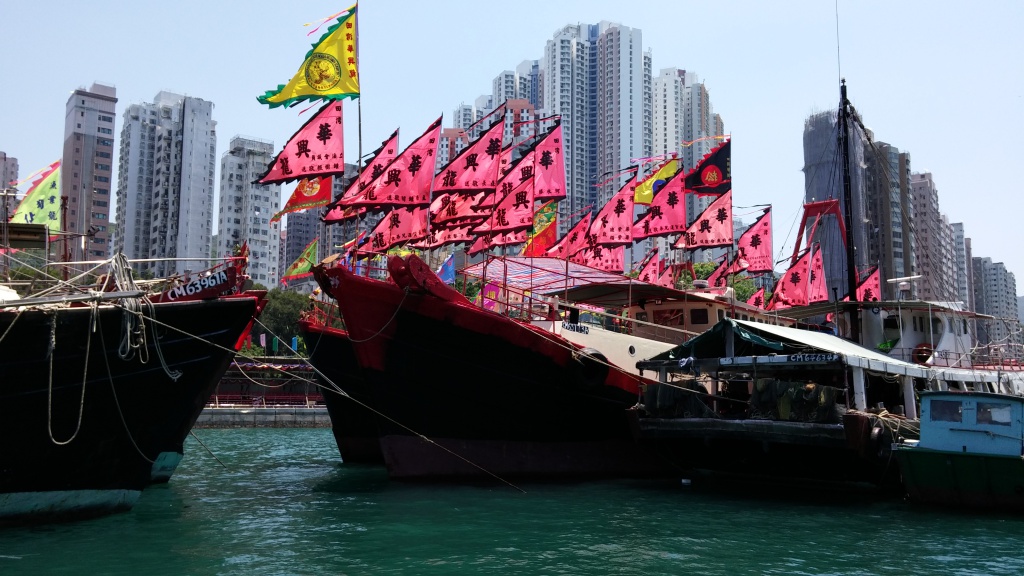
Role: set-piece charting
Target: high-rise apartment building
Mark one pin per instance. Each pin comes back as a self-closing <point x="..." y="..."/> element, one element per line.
<point x="8" y="177"/>
<point x="597" y="78"/>
<point x="246" y="207"/>
<point x="165" y="183"/>
<point x="963" y="261"/>
<point x="934" y="237"/>
<point x="889" y="210"/>
<point x="995" y="294"/>
<point x="823" y="180"/>
<point x="87" y="170"/>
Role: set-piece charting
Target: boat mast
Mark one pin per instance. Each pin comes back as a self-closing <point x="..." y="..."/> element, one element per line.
<point x="851" y="266"/>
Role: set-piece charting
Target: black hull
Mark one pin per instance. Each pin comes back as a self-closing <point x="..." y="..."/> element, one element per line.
<point x="70" y="455"/>
<point x="353" y="424"/>
<point x="493" y="397"/>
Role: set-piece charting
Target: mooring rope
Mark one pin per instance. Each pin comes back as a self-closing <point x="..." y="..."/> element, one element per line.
<point x="85" y="374"/>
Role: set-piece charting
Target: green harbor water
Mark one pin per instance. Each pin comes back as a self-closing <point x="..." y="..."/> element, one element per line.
<point x="279" y="501"/>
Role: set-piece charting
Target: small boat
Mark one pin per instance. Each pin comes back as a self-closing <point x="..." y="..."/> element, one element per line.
<point x="970" y="454"/>
<point x="102" y="386"/>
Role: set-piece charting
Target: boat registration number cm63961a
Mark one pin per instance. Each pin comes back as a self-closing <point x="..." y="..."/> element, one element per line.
<point x="200" y="284"/>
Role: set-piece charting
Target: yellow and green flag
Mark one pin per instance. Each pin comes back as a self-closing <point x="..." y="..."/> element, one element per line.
<point x="303" y="265"/>
<point x="41" y="204"/>
<point x="330" y="71"/>
<point x="645" y="190"/>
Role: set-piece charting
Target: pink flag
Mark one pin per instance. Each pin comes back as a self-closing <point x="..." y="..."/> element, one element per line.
<point x="342" y="213"/>
<point x="792" y="288"/>
<point x="485" y="242"/>
<point x="712" y="228"/>
<point x="476" y="167"/>
<point x="406" y="181"/>
<point x="755" y="245"/>
<point x="667" y="213"/>
<point x="572" y="242"/>
<point x="549" y="171"/>
<point x="870" y="290"/>
<point x="667" y="278"/>
<point x="398" y="226"/>
<point x="374" y="167"/>
<point x="818" y="289"/>
<point x="317" y="149"/>
<point x="602" y="257"/>
<point x="719" y="278"/>
<point x="757" y="299"/>
<point x="439" y="237"/>
<point x="455" y="209"/>
<point x="614" y="223"/>
<point x="515" y="210"/>
<point x="651" y="271"/>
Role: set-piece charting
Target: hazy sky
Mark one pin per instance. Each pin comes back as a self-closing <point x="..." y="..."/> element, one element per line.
<point x="942" y="80"/>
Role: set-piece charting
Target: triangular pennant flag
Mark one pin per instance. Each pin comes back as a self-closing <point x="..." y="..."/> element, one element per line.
<point x="316" y="149"/>
<point x="303" y="265"/>
<point x="613" y="225"/>
<point x="406" y="181"/>
<point x="713" y="174"/>
<point x="549" y="166"/>
<point x="439" y="237"/>
<point x="476" y="167"/>
<point x="712" y="228"/>
<point x="755" y="244"/>
<point x="308" y="193"/>
<point x="574" y="241"/>
<point x="818" y="291"/>
<point x="399" y="226"/>
<point x="41" y="204"/>
<point x="757" y="299"/>
<point x="645" y="190"/>
<point x="374" y="167"/>
<point x="667" y="212"/>
<point x="545" y="230"/>
<point x="330" y="70"/>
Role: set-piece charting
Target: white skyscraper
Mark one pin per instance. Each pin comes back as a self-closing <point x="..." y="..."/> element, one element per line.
<point x="245" y="208"/>
<point x="165" y="183"/>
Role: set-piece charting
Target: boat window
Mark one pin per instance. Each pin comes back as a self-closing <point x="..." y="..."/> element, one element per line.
<point x="669" y="317"/>
<point x="995" y="413"/>
<point x="699" y="316"/>
<point x="946" y="411"/>
<point x="641" y="316"/>
<point x="721" y="314"/>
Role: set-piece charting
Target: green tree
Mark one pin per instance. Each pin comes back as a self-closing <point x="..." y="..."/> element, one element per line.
<point x="280" y="318"/>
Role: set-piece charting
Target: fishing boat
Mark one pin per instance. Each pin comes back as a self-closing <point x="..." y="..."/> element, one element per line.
<point x="102" y="385"/>
<point x="346" y="395"/>
<point x="969" y="455"/>
<point x="469" y="393"/>
<point x="820" y="404"/>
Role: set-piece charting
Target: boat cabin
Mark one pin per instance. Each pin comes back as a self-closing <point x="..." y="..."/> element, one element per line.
<point x="972" y="422"/>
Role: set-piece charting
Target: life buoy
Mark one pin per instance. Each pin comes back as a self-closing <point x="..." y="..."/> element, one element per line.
<point x="922" y="353"/>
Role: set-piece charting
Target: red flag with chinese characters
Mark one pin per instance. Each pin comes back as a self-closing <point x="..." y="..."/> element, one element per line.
<point x="667" y="278"/>
<point x="406" y="181"/>
<point x="308" y="193"/>
<point x="317" y="149"/>
<point x="720" y="277"/>
<point x="549" y="166"/>
<point x="792" y="288"/>
<point x="602" y="257"/>
<point x="515" y="210"/>
<point x="613" y="225"/>
<point x="870" y="289"/>
<point x="755" y="244"/>
<point x="712" y="228"/>
<point x="399" y="226"/>
<point x="651" y="272"/>
<point x="666" y="214"/>
<point x="456" y="209"/>
<point x="816" y="282"/>
<point x="375" y="166"/>
<point x="574" y="241"/>
<point x="439" y="237"/>
<point x="476" y="167"/>
<point x="713" y="174"/>
<point x="757" y="299"/>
